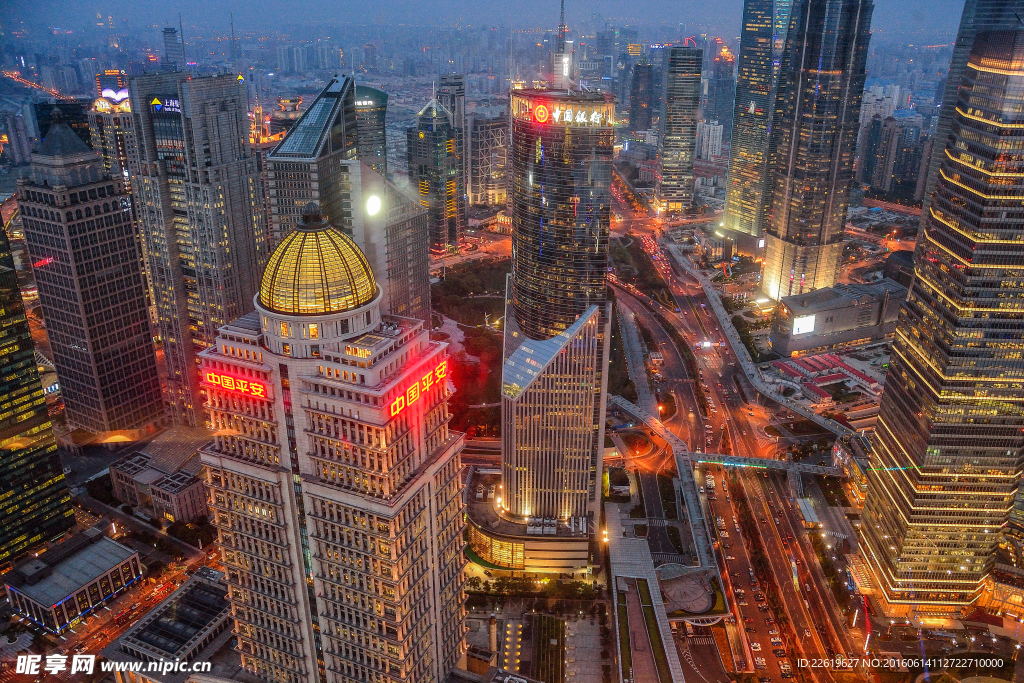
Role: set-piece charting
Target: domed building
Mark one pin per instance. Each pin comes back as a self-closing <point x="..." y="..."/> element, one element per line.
<point x="332" y="460"/>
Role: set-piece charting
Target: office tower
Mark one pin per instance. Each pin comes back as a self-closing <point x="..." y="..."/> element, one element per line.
<point x="947" y="450"/>
<point x="720" y="97"/>
<point x="81" y="238"/>
<point x="674" y="187"/>
<point x="641" y="96"/>
<point x="110" y="125"/>
<point x="316" y="162"/>
<point x="34" y="500"/>
<point x="306" y="163"/>
<point x="372" y="142"/>
<point x="765" y="24"/>
<point x="487" y="151"/>
<point x="174" y="51"/>
<point x="199" y="201"/>
<point x="816" y="133"/>
<point x="557" y="316"/>
<point x="436" y="173"/>
<point x="978" y="16"/>
<point x="114" y="80"/>
<point x="19" y="145"/>
<point x="451" y="93"/>
<point x="879" y="155"/>
<point x="333" y="479"/>
<point x="72" y="114"/>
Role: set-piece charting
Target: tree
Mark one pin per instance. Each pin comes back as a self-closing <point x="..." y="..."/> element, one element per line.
<point x="473" y="583"/>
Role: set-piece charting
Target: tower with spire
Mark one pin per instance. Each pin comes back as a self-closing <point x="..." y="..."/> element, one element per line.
<point x="561" y="62"/>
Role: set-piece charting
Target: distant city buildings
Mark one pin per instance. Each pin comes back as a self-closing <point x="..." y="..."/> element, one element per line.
<point x="81" y="236"/>
<point x="943" y="486"/>
<point x="35" y="503"/>
<point x="199" y="199"/>
<point x="815" y="138"/>
<point x="333" y="479"/>
<point x="674" y="191"/>
<point x="174" y="51"/>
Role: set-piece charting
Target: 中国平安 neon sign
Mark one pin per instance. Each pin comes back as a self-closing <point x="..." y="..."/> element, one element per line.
<point x="414" y="391"/>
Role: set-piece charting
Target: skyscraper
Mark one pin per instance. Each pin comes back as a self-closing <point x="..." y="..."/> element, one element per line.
<point x="641" y="96"/>
<point x="487" y="133"/>
<point x="720" y="98"/>
<point x="316" y="162"/>
<point x="199" y="199"/>
<point x="305" y="166"/>
<point x="111" y="128"/>
<point x="436" y="173"/>
<point x="34" y="500"/>
<point x="949" y="444"/>
<point x="174" y="51"/>
<point x="333" y="479"/>
<point x="815" y="138"/>
<point x="82" y="239"/>
<point x="72" y="114"/>
<point x="557" y="315"/>
<point x="765" y="24"/>
<point x="451" y="93"/>
<point x="674" y="187"/>
<point x="978" y="16"/>
<point x="371" y="111"/>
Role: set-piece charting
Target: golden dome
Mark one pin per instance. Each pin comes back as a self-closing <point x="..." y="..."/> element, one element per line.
<point x="316" y="270"/>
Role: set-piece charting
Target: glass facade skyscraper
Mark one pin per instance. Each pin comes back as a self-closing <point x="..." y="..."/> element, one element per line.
<point x="680" y="113"/>
<point x="436" y="173"/>
<point x="765" y="23"/>
<point x="371" y="111"/>
<point x="978" y="16"/>
<point x="813" y="142"/>
<point x="949" y="446"/>
<point x="641" y="96"/>
<point x="34" y="500"/>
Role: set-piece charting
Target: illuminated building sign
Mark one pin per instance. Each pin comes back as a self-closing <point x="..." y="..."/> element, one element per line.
<point x="569" y="113"/>
<point x="43" y="262"/>
<point x="413" y="393"/>
<point x="167" y="104"/>
<point x="241" y="386"/>
<point x="803" y="325"/>
<point x="365" y="103"/>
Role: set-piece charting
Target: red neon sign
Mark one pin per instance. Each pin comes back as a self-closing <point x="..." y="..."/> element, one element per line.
<point x="43" y="262"/>
<point x="541" y="113"/>
<point x="241" y="386"/>
<point x="417" y="389"/>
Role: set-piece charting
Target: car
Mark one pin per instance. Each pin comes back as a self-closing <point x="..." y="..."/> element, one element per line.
<point x="730" y="557"/>
<point x="727" y="546"/>
<point x="750" y="629"/>
<point x="763" y="607"/>
<point x="787" y="674"/>
<point x="736" y="575"/>
<point x="764" y="520"/>
<point x="769" y="620"/>
<point x="764" y="679"/>
<point x="773" y="632"/>
<point x="759" y="597"/>
<point x="807" y="633"/>
<point x="760" y="665"/>
<point x="779" y="652"/>
<point x="756" y="647"/>
<point x="748" y="620"/>
<point x="742" y="603"/>
<point x="777" y="642"/>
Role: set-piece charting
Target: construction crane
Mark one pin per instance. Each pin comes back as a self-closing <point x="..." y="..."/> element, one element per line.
<point x="16" y="76"/>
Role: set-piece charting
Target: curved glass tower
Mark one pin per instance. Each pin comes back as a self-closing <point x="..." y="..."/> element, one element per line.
<point x="949" y="446"/>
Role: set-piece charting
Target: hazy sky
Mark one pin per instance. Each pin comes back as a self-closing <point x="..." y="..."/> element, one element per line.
<point x="923" y="17"/>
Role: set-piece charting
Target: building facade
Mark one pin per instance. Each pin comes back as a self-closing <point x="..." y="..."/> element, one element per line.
<point x="371" y="112"/>
<point x="111" y="128"/>
<point x="199" y="197"/>
<point x="436" y="173"/>
<point x="81" y="236"/>
<point x="641" y="96"/>
<point x="174" y="51"/>
<point x="333" y="478"/>
<point x="487" y="133"/>
<point x="765" y="24"/>
<point x="949" y="445"/>
<point x="674" y="190"/>
<point x="556" y="303"/>
<point x="720" y="90"/>
<point x="818" y="111"/>
<point x="35" y="502"/>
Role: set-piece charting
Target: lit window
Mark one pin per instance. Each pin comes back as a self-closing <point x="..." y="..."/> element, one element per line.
<point x="313" y="332"/>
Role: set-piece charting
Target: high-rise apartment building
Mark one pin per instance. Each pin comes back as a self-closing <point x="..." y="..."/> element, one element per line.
<point x="199" y="203"/>
<point x="947" y="455"/>
<point x="316" y="162"/>
<point x="709" y="140"/>
<point x="815" y="136"/>
<point x="19" y="145"/>
<point x="641" y="96"/>
<point x="765" y="24"/>
<point x="371" y="111"/>
<point x="978" y="16"/>
<point x="333" y="479"/>
<point x="487" y="133"/>
<point x="436" y="174"/>
<point x="35" y="503"/>
<point x="174" y="51"/>
<point x="81" y="237"/>
<point x="674" y="187"/>
<point x="557" y="315"/>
